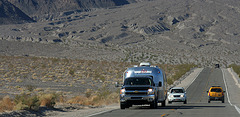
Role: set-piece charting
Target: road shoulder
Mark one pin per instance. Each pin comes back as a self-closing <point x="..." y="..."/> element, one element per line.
<point x="233" y="89"/>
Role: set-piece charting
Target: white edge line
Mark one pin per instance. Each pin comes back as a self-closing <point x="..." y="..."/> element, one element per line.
<point x="194" y="79"/>
<point x="238" y="110"/>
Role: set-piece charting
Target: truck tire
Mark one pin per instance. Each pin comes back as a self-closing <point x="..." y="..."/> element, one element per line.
<point x="122" y="105"/>
<point x="185" y="102"/>
<point x="163" y="103"/>
<point x="154" y="104"/>
<point x="128" y="105"/>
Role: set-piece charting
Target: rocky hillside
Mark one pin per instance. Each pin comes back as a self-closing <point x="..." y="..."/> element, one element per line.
<point x="203" y="32"/>
<point x="10" y="14"/>
<point x="38" y="7"/>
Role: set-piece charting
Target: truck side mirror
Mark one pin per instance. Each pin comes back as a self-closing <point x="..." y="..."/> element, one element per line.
<point x="160" y="84"/>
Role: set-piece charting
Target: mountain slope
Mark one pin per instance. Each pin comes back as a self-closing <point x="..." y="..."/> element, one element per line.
<point x="9" y="14"/>
<point x="159" y="31"/>
<point x="37" y="7"/>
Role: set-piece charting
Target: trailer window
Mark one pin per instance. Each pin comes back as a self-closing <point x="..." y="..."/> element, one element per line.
<point x="138" y="81"/>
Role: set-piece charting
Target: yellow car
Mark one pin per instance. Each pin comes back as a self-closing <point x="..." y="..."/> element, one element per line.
<point x="215" y="93"/>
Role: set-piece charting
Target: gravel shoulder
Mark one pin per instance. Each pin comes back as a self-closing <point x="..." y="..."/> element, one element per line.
<point x="233" y="88"/>
<point x="87" y="112"/>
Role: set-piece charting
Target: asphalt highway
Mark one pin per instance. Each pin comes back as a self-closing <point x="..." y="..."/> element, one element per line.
<point x="197" y="105"/>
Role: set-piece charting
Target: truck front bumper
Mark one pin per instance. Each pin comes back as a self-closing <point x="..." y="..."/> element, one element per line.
<point x="139" y="99"/>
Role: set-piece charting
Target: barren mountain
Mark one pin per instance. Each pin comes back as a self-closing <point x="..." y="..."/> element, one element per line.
<point x="39" y="7"/>
<point x="203" y="32"/>
<point x="10" y="14"/>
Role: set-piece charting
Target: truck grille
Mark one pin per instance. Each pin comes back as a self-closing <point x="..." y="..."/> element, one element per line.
<point x="136" y="88"/>
<point x="136" y="93"/>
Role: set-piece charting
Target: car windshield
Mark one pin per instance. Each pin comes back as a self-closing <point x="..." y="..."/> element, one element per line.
<point x="138" y="81"/>
<point x="177" y="91"/>
<point x="216" y="90"/>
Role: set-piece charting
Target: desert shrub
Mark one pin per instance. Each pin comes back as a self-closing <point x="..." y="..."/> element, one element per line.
<point x="30" y="87"/>
<point x="88" y="93"/>
<point x="112" y="98"/>
<point x="26" y="102"/>
<point x="103" y="92"/>
<point x="48" y="100"/>
<point x="32" y="101"/>
<point x="72" y="72"/>
<point x="103" y="96"/>
<point x="6" y="104"/>
<point x="79" y="100"/>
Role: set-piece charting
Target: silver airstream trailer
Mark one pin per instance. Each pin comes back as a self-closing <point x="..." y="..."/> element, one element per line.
<point x="144" y="84"/>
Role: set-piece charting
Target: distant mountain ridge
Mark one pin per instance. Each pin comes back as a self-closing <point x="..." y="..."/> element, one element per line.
<point x="37" y="7"/>
<point x="9" y="14"/>
<point x="20" y="11"/>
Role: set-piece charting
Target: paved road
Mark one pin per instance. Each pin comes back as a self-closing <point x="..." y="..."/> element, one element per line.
<point x="197" y="100"/>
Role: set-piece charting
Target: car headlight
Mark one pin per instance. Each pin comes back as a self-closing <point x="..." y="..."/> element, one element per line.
<point x="122" y="91"/>
<point x="171" y="96"/>
<point x="150" y="91"/>
<point x="182" y="96"/>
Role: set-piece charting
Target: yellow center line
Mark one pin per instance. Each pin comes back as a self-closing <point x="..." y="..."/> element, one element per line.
<point x="205" y="88"/>
<point x="163" y="115"/>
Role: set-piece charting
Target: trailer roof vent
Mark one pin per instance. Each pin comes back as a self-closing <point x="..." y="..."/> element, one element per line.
<point x="145" y="64"/>
<point x="135" y="65"/>
<point x="154" y="66"/>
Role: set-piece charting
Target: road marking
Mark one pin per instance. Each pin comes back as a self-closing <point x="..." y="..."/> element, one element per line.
<point x="163" y="115"/>
<point x="238" y="110"/>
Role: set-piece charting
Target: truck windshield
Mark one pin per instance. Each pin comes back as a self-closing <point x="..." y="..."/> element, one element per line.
<point x="138" y="81"/>
<point x="177" y="91"/>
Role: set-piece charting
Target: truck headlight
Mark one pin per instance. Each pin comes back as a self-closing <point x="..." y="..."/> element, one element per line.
<point x="150" y="91"/>
<point x="182" y="96"/>
<point x="122" y="91"/>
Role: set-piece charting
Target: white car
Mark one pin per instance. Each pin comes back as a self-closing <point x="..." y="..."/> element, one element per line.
<point x="177" y="94"/>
